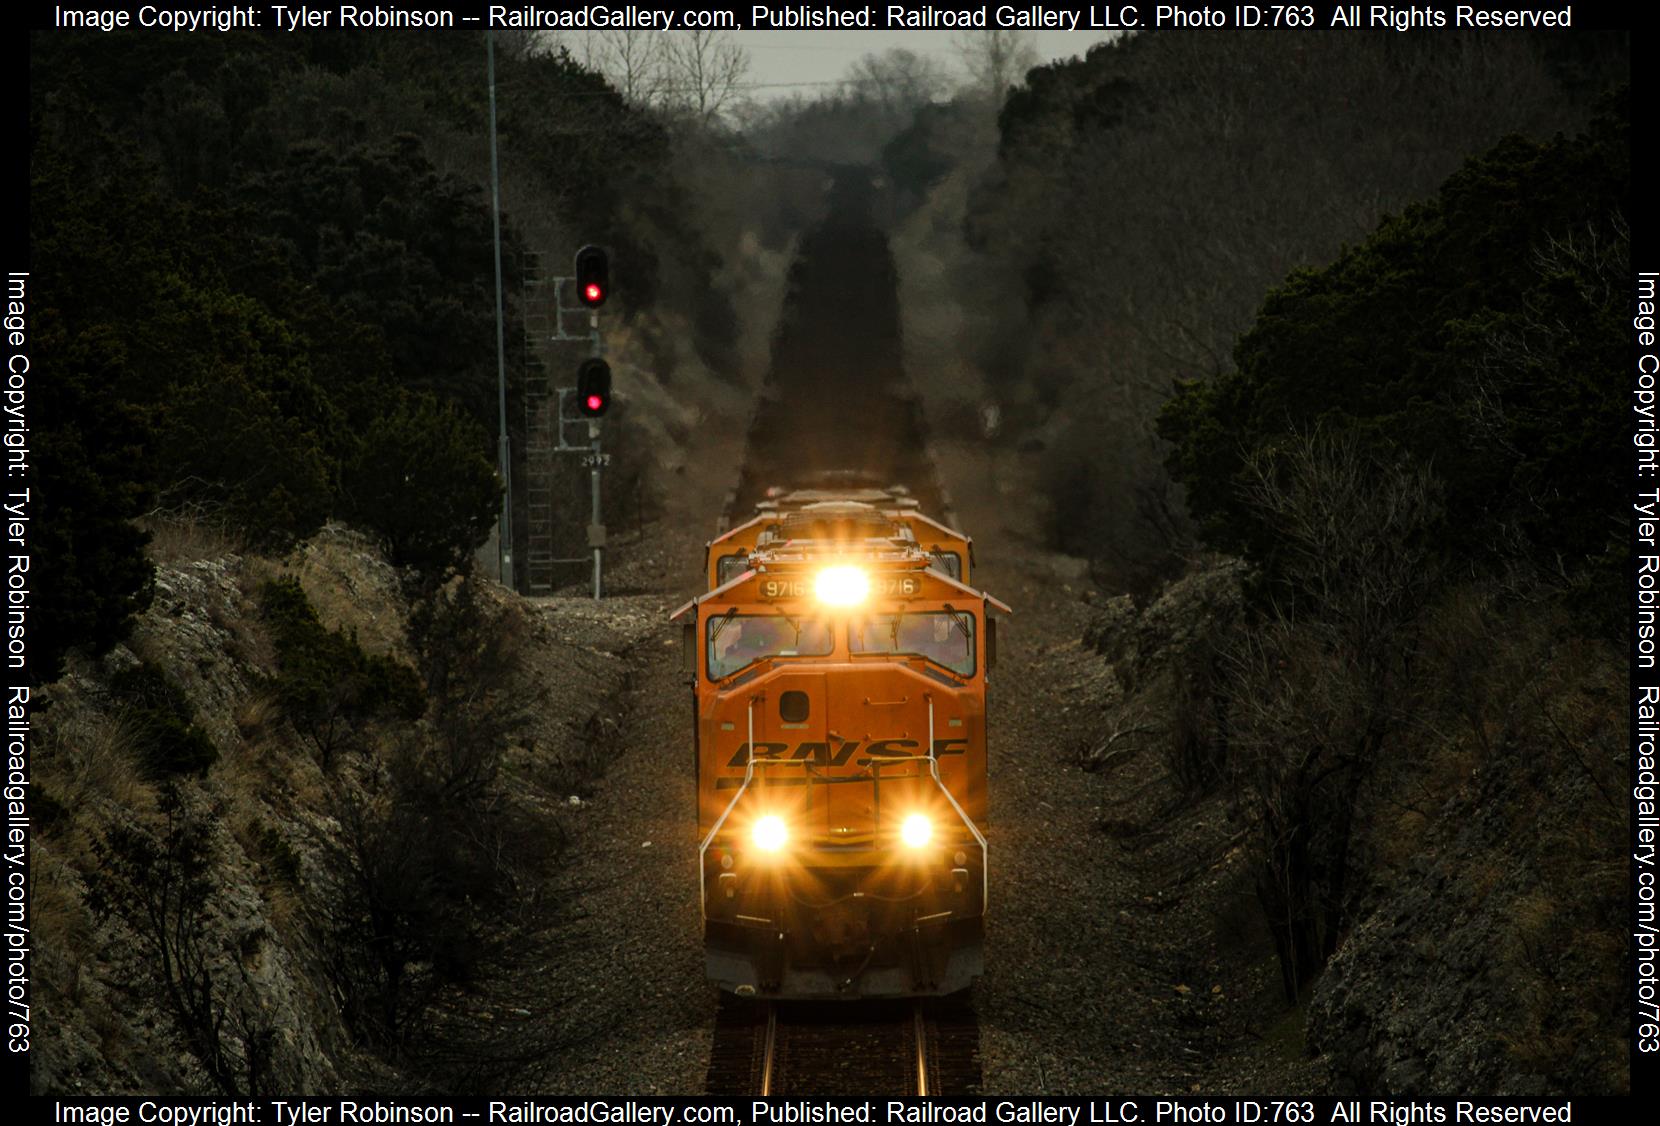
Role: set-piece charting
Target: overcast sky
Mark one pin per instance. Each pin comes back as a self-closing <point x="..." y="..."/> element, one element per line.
<point x="786" y="62"/>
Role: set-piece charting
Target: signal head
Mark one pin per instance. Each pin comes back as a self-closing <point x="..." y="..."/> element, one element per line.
<point x="593" y="387"/>
<point x="593" y="276"/>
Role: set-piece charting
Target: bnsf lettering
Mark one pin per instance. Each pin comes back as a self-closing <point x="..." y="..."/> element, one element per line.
<point x="820" y="752"/>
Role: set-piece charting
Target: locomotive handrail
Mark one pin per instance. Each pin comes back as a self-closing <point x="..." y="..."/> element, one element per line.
<point x="749" y="775"/>
<point x="703" y="849"/>
<point x="979" y="837"/>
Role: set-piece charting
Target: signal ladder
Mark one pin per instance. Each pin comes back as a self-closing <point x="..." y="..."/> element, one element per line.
<point x="540" y="429"/>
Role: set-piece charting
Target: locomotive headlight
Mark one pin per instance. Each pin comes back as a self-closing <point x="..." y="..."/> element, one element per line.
<point x="916" y="831"/>
<point x="770" y="833"/>
<point x="842" y="586"/>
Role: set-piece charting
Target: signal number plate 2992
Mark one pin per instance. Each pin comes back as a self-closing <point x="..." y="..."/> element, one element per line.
<point x="881" y="586"/>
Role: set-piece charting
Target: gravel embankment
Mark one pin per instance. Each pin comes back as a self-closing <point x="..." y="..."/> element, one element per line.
<point x="625" y="996"/>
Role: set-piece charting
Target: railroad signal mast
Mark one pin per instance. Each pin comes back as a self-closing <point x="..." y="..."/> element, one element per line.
<point x="593" y="383"/>
<point x="591" y="276"/>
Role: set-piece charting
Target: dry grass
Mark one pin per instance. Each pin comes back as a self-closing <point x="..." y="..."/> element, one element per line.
<point x="257" y="715"/>
<point x="58" y="917"/>
<point x="265" y="770"/>
<point x="1556" y="1021"/>
<point x="88" y="763"/>
<point x="267" y="851"/>
<point x="248" y="771"/>
<point x="1503" y="680"/>
<point x="1482" y="877"/>
<point x="253" y="643"/>
<point x="348" y="595"/>
<point x="185" y="537"/>
<point x="1523" y="695"/>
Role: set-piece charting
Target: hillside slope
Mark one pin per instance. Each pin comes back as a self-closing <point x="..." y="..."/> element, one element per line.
<point x="189" y="922"/>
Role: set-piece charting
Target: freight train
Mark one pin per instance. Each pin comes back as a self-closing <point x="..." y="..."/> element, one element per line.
<point x="838" y="662"/>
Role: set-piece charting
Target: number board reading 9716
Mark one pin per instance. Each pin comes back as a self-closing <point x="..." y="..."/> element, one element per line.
<point x="881" y="586"/>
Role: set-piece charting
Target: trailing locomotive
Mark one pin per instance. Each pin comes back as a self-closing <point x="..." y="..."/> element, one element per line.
<point x="839" y="664"/>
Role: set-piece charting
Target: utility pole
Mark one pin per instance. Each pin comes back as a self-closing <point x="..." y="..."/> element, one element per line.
<point x="504" y="530"/>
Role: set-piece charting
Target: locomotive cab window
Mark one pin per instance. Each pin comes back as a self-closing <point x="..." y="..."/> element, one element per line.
<point x="730" y="567"/>
<point x="945" y="637"/>
<point x="738" y="640"/>
<point x="947" y="563"/>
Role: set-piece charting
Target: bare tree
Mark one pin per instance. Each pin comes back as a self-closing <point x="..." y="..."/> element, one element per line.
<point x="897" y="82"/>
<point x="1350" y="528"/>
<point x="1126" y="308"/>
<point x="632" y="61"/>
<point x="1322" y="686"/>
<point x="703" y="72"/>
<point x="995" y="60"/>
<point x="163" y="885"/>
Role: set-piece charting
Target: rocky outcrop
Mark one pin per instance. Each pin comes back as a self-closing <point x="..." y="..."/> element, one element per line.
<point x="259" y="824"/>
<point x="1491" y="962"/>
<point x="1141" y="643"/>
<point x="109" y="1027"/>
<point x="1485" y="951"/>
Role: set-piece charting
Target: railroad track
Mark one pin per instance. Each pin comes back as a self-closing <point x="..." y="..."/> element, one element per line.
<point x="838" y="401"/>
<point x="845" y="1048"/>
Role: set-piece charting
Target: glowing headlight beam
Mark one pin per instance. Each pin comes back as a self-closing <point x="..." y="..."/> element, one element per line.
<point x="842" y="586"/>
<point x="916" y="831"/>
<point x="770" y="833"/>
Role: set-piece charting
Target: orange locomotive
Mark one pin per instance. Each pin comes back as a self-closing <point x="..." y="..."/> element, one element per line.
<point x="840" y="684"/>
<point x="728" y="553"/>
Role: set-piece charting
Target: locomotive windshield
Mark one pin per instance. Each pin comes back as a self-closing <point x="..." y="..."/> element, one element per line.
<point x="945" y="637"/>
<point x="736" y="640"/>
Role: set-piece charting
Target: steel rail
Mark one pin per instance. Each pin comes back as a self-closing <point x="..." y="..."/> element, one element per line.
<point x="920" y="1027"/>
<point x="769" y="1051"/>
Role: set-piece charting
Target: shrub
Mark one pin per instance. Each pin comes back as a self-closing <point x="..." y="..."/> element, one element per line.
<point x="161" y="887"/>
<point x="283" y="862"/>
<point x="1444" y="337"/>
<point x="469" y="656"/>
<point x="163" y="723"/>
<point x="435" y="870"/>
<point x="327" y="685"/>
<point x="421" y="484"/>
<point x="1327" y="680"/>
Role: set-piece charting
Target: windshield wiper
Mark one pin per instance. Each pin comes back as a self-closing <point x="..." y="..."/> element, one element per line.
<point x="720" y="624"/>
<point x="791" y="622"/>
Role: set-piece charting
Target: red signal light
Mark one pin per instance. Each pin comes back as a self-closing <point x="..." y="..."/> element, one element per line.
<point x="593" y="273"/>
<point x="593" y="387"/>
